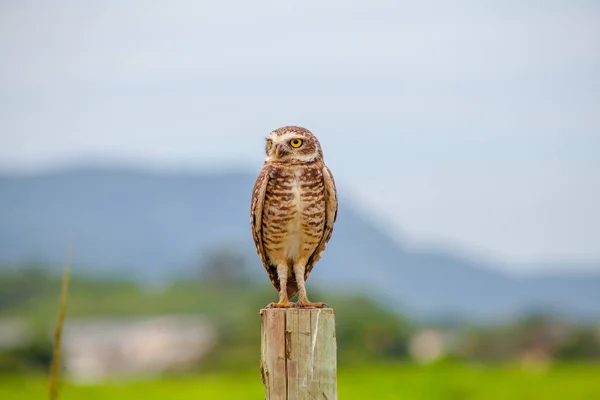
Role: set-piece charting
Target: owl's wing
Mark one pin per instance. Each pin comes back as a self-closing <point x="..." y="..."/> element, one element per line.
<point x="256" y="214"/>
<point x="331" y="209"/>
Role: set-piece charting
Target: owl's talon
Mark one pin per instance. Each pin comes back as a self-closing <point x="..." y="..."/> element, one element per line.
<point x="308" y="304"/>
<point x="284" y="304"/>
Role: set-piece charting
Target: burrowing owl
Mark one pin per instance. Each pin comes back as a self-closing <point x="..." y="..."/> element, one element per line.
<point x="294" y="207"/>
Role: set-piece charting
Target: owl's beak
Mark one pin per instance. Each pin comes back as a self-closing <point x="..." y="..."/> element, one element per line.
<point x="277" y="152"/>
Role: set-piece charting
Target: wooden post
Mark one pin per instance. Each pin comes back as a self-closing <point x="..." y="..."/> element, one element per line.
<point x="298" y="354"/>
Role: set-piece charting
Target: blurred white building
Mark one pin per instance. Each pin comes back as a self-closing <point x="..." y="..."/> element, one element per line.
<point x="14" y="332"/>
<point x="98" y="349"/>
<point x="426" y="346"/>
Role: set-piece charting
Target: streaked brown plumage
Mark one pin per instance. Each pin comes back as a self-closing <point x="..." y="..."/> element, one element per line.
<point x="294" y="206"/>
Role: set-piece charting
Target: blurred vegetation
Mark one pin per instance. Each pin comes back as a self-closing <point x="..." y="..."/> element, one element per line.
<point x="220" y="288"/>
<point x="365" y="331"/>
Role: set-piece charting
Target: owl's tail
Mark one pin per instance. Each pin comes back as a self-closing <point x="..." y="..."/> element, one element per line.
<point x="292" y="287"/>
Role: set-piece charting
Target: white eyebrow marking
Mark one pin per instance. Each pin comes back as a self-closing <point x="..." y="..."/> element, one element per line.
<point x="286" y="137"/>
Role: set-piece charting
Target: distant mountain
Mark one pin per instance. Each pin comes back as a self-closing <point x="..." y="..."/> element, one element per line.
<point x="155" y="226"/>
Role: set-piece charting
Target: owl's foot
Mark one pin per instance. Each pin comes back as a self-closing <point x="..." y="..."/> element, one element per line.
<point x="282" y="304"/>
<point x="308" y="304"/>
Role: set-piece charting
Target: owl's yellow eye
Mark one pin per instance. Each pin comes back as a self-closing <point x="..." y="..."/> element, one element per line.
<point x="296" y="143"/>
<point x="269" y="143"/>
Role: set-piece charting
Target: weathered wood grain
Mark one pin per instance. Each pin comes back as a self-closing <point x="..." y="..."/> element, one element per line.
<point x="299" y="354"/>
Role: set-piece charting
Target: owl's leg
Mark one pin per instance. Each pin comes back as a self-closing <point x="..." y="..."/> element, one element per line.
<point x="284" y="302"/>
<point x="303" y="302"/>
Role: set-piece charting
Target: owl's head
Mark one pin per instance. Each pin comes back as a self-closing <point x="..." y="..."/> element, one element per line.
<point x="292" y="144"/>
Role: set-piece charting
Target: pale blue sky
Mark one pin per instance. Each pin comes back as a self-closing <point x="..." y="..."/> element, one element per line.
<point x="477" y="124"/>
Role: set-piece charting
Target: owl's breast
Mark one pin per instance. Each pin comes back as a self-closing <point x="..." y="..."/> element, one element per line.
<point x="294" y="213"/>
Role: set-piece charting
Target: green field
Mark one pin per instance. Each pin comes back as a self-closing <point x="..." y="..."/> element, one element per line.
<point x="379" y="382"/>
